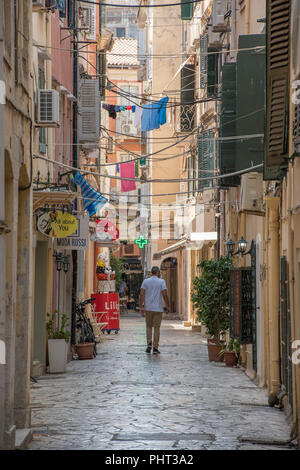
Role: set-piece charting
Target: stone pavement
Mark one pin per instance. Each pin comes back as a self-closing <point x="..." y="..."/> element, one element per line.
<point x="126" y="399"/>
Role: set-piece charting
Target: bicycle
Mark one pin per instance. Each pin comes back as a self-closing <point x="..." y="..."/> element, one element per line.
<point x="83" y="325"/>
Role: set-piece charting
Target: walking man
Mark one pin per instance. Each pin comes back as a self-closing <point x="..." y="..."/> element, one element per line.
<point x="153" y="291"/>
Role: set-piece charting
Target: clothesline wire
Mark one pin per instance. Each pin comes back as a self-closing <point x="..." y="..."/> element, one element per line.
<point x="104" y="4"/>
<point x="148" y="55"/>
<point x="183" y="180"/>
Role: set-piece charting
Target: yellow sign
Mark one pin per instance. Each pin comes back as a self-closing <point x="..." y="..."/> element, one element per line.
<point x="57" y="224"/>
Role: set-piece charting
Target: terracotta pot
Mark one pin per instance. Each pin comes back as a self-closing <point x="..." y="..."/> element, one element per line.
<point x="85" y="350"/>
<point x="230" y="358"/>
<point x="211" y="341"/>
<point x="214" y="352"/>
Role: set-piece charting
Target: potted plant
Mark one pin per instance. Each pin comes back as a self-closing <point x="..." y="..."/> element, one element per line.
<point x="58" y="338"/>
<point x="210" y="297"/>
<point x="231" y="352"/>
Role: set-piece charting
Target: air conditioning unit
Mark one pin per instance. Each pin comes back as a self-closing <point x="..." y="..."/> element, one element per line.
<point x="128" y="129"/>
<point x="48" y="108"/>
<point x="88" y="20"/>
<point x="218" y="21"/>
<point x="252" y="192"/>
<point x="214" y="39"/>
<point x="38" y="4"/>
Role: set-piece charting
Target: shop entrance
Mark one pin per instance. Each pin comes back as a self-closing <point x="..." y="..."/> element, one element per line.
<point x="169" y="274"/>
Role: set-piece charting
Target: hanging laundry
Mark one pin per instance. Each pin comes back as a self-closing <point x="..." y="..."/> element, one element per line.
<point x="154" y="115"/>
<point x="127" y="170"/>
<point x="129" y="108"/>
<point x="163" y="110"/>
<point x="118" y="168"/>
<point x="111" y="110"/>
<point x="138" y="117"/>
<point x="92" y="199"/>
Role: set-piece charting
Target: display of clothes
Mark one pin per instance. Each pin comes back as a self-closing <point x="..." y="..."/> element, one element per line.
<point x="114" y="109"/>
<point x="127" y="170"/>
<point x="154" y="115"/>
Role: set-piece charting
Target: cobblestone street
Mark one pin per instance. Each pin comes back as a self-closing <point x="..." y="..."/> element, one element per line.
<point x="126" y="399"/>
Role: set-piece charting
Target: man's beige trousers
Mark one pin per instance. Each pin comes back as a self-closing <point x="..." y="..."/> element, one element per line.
<point x="153" y="320"/>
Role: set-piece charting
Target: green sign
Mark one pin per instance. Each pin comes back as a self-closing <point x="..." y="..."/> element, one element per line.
<point x="141" y="241"/>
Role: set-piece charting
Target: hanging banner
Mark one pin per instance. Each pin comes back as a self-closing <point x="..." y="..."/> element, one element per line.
<point x="57" y="224"/>
<point x="79" y="240"/>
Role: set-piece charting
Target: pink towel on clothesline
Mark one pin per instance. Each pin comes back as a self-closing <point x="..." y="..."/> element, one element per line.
<point x="127" y="170"/>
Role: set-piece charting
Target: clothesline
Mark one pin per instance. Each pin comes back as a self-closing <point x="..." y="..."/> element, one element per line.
<point x="147" y="117"/>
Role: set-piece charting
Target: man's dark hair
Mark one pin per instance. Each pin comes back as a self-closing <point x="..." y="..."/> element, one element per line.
<point x="155" y="270"/>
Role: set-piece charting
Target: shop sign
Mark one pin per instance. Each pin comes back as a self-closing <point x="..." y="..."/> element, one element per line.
<point x="57" y="224"/>
<point x="78" y="240"/>
<point x="105" y="231"/>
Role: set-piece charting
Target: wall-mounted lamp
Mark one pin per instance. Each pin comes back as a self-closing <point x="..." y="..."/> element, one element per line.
<point x="242" y="245"/>
<point x="59" y="261"/>
<point x="66" y="263"/>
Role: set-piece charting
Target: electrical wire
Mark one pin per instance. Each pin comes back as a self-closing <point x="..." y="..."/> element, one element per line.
<point x="104" y="4"/>
<point x="206" y="178"/>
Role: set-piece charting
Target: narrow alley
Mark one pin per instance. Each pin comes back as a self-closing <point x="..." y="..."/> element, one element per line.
<point x="126" y="399"/>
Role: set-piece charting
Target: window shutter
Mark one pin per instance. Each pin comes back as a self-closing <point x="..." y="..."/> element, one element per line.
<point x="212" y="72"/>
<point x="101" y="67"/>
<point x="61" y="5"/>
<point x="187" y="98"/>
<point x="203" y="60"/>
<point x="206" y="158"/>
<point x="89" y="112"/>
<point x="278" y="84"/>
<point x="227" y="148"/>
<point x="186" y="10"/>
<point x="250" y="91"/>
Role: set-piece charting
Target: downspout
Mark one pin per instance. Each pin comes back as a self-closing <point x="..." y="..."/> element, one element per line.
<point x="274" y="295"/>
<point x="247" y="17"/>
<point x="75" y="164"/>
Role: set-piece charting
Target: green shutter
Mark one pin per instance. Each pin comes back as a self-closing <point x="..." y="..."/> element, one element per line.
<point x="203" y="60"/>
<point x="227" y="149"/>
<point x="187" y="98"/>
<point x="206" y="158"/>
<point x="101" y="67"/>
<point x="278" y="87"/>
<point x="212" y="72"/>
<point x="186" y="10"/>
<point x="250" y="92"/>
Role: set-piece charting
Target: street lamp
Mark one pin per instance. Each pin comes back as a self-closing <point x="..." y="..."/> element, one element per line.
<point x="229" y="244"/>
<point x="59" y="261"/>
<point x="66" y="263"/>
<point x="242" y="245"/>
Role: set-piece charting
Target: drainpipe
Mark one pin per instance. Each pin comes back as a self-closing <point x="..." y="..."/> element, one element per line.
<point x="274" y="295"/>
<point x="247" y="17"/>
<point x="75" y="164"/>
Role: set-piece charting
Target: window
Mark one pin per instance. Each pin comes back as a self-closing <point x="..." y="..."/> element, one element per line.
<point x="120" y="32"/>
<point x="187" y="98"/>
<point x="125" y="119"/>
<point x="42" y="130"/>
<point x="206" y="158"/>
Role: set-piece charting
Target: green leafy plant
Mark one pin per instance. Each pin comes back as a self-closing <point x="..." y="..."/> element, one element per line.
<point x="233" y="345"/>
<point x="56" y="331"/>
<point x="117" y="266"/>
<point x="210" y="296"/>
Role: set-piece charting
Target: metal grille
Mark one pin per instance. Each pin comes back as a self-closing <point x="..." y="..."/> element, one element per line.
<point x="241" y="305"/>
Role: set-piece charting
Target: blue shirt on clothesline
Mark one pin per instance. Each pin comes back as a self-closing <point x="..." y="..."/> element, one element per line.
<point x="154" y="115"/>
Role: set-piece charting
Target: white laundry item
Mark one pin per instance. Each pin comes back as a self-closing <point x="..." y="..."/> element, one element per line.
<point x="138" y="116"/>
